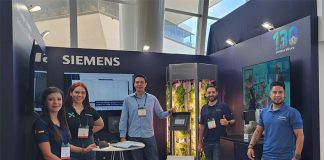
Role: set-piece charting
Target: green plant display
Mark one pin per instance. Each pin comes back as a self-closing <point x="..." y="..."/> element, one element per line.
<point x="183" y="98"/>
<point x="179" y="92"/>
<point x="168" y="107"/>
<point x="202" y="90"/>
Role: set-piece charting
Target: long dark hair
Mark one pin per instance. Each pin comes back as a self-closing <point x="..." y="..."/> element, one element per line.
<point x="61" y="114"/>
<point x="69" y="102"/>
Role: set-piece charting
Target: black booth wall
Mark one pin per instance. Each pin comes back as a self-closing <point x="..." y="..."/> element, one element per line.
<point x="303" y="76"/>
<point x="153" y="65"/>
<point x="245" y="22"/>
<point x="5" y="75"/>
<point x="17" y="33"/>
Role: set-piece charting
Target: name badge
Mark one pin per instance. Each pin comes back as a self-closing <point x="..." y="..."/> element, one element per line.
<point x="211" y="123"/>
<point x="83" y="132"/>
<point x="141" y="112"/>
<point x="65" y="152"/>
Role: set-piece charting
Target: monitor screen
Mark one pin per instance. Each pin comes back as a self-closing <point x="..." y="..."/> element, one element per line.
<point x="257" y="79"/>
<point x="180" y="121"/>
<point x="40" y="84"/>
<point x="106" y="91"/>
<point x="113" y="124"/>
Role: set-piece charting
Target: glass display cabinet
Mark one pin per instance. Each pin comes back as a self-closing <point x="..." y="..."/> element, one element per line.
<point x="185" y="90"/>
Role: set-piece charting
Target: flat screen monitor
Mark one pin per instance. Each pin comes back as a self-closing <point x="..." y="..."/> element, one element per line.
<point x="107" y="91"/>
<point x="257" y="79"/>
<point x="40" y="84"/>
<point x="180" y="121"/>
<point x="113" y="124"/>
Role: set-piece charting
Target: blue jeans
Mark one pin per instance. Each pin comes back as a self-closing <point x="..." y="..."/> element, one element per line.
<point x="149" y="151"/>
<point x="211" y="151"/>
<point x="83" y="142"/>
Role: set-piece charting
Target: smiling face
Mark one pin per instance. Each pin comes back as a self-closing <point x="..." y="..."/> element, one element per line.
<point x="277" y="95"/>
<point x="140" y="84"/>
<point x="211" y="94"/>
<point x="54" y="102"/>
<point x="78" y="95"/>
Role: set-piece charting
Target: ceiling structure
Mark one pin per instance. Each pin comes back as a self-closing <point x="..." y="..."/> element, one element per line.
<point x="181" y="17"/>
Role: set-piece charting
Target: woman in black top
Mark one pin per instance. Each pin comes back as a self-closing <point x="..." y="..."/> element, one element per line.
<point x="51" y="131"/>
<point x="83" y="120"/>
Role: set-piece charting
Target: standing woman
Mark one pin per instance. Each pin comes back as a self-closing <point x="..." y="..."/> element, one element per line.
<point x="83" y="120"/>
<point x="51" y="131"/>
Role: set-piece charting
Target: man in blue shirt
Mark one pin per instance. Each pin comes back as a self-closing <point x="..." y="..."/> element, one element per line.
<point x="214" y="118"/>
<point x="282" y="126"/>
<point x="136" y="119"/>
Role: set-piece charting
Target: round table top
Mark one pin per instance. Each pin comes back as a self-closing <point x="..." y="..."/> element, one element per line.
<point x="121" y="146"/>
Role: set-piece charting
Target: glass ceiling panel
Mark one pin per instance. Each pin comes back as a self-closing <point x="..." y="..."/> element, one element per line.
<point x="184" y="32"/>
<point x="209" y="23"/>
<point x="51" y="9"/>
<point x="179" y="28"/>
<point x="224" y="7"/>
<point x="183" y="5"/>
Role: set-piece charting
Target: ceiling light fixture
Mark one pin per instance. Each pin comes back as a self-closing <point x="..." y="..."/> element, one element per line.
<point x="146" y="47"/>
<point x="267" y="25"/>
<point x="33" y="8"/>
<point x="45" y="33"/>
<point x="230" y="42"/>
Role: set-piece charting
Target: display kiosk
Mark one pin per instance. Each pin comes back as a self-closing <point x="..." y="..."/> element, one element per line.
<point x="186" y="85"/>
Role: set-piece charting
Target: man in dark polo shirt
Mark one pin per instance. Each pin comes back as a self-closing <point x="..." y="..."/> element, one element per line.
<point x="214" y="118"/>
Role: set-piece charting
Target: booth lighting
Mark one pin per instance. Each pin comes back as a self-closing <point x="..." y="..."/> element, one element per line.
<point x="146" y="48"/>
<point x="45" y="33"/>
<point x="267" y="25"/>
<point x="230" y="42"/>
<point x="33" y="8"/>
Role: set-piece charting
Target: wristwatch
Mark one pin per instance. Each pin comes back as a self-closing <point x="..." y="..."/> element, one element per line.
<point x="297" y="156"/>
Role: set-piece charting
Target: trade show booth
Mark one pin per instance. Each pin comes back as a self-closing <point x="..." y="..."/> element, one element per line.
<point x="243" y="74"/>
<point x="108" y="75"/>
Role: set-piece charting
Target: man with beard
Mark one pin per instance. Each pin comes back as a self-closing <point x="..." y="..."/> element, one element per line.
<point x="282" y="126"/>
<point x="214" y="118"/>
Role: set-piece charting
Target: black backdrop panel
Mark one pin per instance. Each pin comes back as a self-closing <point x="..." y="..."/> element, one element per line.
<point x="245" y="22"/>
<point x="153" y="65"/>
<point x="303" y="74"/>
<point x="17" y="34"/>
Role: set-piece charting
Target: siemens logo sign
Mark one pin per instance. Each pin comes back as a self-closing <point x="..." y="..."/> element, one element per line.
<point x="91" y="61"/>
<point x="82" y="60"/>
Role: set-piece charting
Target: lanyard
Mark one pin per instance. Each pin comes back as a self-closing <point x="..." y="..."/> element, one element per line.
<point x="137" y="101"/>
